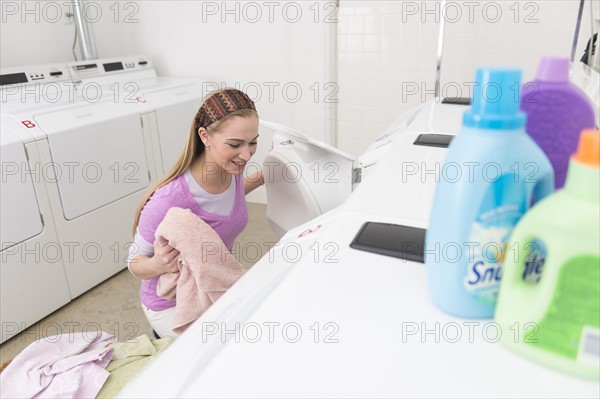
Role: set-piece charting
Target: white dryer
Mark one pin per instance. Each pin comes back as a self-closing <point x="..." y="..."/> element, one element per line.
<point x="166" y="105"/>
<point x="97" y="148"/>
<point x="32" y="275"/>
<point x="92" y="132"/>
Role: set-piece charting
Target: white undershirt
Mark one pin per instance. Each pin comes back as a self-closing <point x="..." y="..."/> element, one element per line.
<point x="218" y="204"/>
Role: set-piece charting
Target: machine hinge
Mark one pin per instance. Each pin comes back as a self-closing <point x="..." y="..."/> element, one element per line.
<point x="356" y="175"/>
<point x="26" y="153"/>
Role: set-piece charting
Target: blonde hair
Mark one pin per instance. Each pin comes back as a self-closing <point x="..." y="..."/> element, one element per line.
<point x="194" y="148"/>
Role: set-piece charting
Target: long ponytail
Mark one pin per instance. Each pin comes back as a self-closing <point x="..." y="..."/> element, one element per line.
<point x="194" y="147"/>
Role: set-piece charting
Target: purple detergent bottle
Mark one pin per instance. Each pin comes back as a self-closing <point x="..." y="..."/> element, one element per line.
<point x="557" y="112"/>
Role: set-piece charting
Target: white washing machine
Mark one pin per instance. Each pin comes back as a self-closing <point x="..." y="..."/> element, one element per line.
<point x="166" y="105"/>
<point x="381" y="145"/>
<point x="32" y="275"/>
<point x="97" y="148"/>
<point x="98" y="133"/>
<point x="304" y="178"/>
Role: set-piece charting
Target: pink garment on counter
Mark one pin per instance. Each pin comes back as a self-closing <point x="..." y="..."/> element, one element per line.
<point x="206" y="267"/>
<point x="61" y="366"/>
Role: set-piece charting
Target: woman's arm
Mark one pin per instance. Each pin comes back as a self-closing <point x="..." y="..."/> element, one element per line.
<point x="253" y="181"/>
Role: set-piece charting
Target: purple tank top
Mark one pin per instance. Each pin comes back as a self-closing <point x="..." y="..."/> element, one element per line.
<point x="177" y="194"/>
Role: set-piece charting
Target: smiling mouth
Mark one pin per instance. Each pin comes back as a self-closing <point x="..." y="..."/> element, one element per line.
<point x="240" y="164"/>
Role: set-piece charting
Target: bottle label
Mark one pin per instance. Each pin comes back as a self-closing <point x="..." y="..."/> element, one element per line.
<point x="534" y="261"/>
<point x="502" y="207"/>
<point x="571" y="325"/>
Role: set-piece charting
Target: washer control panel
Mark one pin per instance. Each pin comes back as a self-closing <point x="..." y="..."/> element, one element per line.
<point x="108" y="66"/>
<point x="40" y="74"/>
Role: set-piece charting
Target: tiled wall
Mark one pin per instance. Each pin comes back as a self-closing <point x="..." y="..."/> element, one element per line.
<point x="387" y="52"/>
<point x="376" y="53"/>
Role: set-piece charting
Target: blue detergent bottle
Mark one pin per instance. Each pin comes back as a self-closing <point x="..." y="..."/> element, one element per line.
<point x="493" y="172"/>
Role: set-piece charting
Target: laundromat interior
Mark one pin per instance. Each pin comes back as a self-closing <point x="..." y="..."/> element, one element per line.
<point x="299" y="198"/>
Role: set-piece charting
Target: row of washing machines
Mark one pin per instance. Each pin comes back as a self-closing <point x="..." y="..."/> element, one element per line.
<point x="81" y="143"/>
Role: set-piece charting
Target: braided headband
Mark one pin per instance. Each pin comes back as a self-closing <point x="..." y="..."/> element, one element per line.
<point x="221" y="104"/>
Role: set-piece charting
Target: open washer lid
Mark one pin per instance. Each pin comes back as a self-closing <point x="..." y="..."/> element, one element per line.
<point x="326" y="170"/>
<point x="291" y="202"/>
<point x="19" y="210"/>
<point x="304" y="178"/>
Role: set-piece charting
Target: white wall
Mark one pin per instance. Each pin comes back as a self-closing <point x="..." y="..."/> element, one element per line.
<point x="277" y="52"/>
<point x="383" y="47"/>
<point x="219" y="42"/>
<point x="40" y="32"/>
<point x="389" y="48"/>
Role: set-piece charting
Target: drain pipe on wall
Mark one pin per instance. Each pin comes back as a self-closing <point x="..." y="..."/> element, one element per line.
<point x="85" y="34"/>
<point x="440" y="51"/>
<point x="331" y="55"/>
<point x="577" y="27"/>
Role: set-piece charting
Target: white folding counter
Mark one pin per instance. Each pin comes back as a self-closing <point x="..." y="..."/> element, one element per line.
<point x="316" y="318"/>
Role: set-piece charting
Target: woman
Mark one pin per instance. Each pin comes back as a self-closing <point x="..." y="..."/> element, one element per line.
<point x="207" y="179"/>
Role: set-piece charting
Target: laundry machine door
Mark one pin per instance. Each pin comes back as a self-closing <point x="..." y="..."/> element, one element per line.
<point x="304" y="178"/>
<point x="175" y="108"/>
<point x="290" y="201"/>
<point x="32" y="276"/>
<point x="20" y="214"/>
<point x="99" y="154"/>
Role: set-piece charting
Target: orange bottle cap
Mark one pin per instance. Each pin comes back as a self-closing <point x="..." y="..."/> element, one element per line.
<point x="588" y="152"/>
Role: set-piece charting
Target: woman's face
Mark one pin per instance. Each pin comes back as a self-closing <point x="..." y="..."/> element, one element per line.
<point x="232" y="146"/>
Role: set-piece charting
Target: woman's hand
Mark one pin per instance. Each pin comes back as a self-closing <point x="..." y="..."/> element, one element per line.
<point x="253" y="181"/>
<point x="165" y="258"/>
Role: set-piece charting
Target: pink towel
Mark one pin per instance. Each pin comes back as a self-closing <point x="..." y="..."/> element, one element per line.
<point x="62" y="366"/>
<point x="206" y="267"/>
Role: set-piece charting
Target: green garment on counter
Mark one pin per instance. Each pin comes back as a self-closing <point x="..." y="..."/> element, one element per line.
<point x="129" y="359"/>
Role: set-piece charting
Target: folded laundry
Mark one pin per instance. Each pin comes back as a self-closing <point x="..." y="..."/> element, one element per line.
<point x="206" y="267"/>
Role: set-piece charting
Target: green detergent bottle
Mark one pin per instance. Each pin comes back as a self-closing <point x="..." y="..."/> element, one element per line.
<point x="549" y="301"/>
